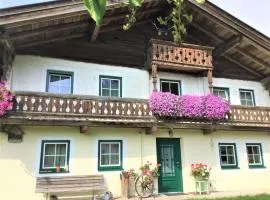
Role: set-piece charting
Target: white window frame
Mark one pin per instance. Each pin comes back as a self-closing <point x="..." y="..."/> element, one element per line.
<point x="43" y="154"/>
<point x="100" y="154"/>
<point x="110" y="86"/>
<point x="234" y="154"/>
<point x="59" y="85"/>
<point x="225" y="90"/>
<point x="260" y="154"/>
<point x="252" y="96"/>
<point x="171" y="81"/>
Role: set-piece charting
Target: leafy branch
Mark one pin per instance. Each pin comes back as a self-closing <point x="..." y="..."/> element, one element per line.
<point x="176" y="21"/>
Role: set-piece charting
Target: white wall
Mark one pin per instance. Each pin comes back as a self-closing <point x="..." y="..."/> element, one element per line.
<point x="29" y="73"/>
<point x="262" y="97"/>
<point x="19" y="163"/>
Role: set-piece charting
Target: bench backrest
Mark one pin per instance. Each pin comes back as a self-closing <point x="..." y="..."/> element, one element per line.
<point x="64" y="184"/>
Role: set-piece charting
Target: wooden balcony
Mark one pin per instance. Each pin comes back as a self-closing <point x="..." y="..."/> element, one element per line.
<point x="75" y="110"/>
<point x="186" y="57"/>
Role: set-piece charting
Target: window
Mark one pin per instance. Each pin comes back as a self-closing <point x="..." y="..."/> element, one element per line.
<point x="247" y="97"/>
<point x="110" y="86"/>
<point x="110" y="155"/>
<point x="222" y="92"/>
<point x="170" y="86"/>
<point x="59" y="82"/>
<point x="228" y="157"/>
<point x="54" y="156"/>
<point x="254" y="153"/>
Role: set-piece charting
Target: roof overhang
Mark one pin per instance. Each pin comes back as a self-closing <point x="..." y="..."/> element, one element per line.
<point x="60" y="20"/>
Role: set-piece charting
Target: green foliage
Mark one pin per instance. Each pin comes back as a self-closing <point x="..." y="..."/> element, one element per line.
<point x="176" y="21"/>
<point x="96" y="9"/>
<point x="257" y="197"/>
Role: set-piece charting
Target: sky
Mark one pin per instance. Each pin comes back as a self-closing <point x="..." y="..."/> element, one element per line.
<point x="256" y="13"/>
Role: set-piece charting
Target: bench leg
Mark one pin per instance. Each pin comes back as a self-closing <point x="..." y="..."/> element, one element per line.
<point x="93" y="198"/>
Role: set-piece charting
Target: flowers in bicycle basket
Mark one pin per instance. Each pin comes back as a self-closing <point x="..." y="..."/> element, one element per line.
<point x="200" y="171"/>
<point x="147" y="169"/>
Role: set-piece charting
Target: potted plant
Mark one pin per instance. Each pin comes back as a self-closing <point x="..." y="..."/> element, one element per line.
<point x="201" y="174"/>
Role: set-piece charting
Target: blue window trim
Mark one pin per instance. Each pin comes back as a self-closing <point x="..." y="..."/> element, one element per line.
<point x="111" y="168"/>
<point x="57" y="72"/>
<point x="235" y="154"/>
<point x="47" y="171"/>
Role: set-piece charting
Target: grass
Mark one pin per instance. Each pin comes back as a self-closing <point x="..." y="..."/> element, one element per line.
<point x="257" y="197"/>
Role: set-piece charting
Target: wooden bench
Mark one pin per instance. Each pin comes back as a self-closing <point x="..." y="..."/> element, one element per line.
<point x="56" y="185"/>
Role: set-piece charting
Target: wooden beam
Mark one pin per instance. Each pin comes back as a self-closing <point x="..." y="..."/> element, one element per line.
<point x="266" y="83"/>
<point x="241" y="51"/>
<point x="227" y="46"/>
<point x="151" y="130"/>
<point x="244" y="67"/>
<point x="83" y="129"/>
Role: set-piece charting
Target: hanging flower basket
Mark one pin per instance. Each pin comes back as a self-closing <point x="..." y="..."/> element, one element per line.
<point x="5" y="99"/>
<point x="208" y="107"/>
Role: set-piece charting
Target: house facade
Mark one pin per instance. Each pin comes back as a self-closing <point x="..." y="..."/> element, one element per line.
<point x="81" y="98"/>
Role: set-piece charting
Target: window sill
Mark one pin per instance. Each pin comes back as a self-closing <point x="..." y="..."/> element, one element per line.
<point x="53" y="172"/>
<point x="110" y="169"/>
<point x="256" y="167"/>
<point x="229" y="167"/>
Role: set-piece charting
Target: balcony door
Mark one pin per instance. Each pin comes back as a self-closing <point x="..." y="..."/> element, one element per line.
<point x="169" y="156"/>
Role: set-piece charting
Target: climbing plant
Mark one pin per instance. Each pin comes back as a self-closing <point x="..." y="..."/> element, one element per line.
<point x="175" y="22"/>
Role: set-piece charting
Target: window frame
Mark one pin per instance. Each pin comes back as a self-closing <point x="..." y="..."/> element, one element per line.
<point x="110" y="167"/>
<point x="261" y="165"/>
<point x="111" y="78"/>
<point x="46" y="170"/>
<point x="227" y="90"/>
<point x="228" y="166"/>
<point x="252" y="94"/>
<point x="57" y="72"/>
<point x="171" y="81"/>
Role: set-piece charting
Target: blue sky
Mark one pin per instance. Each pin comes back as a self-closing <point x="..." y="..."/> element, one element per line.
<point x="256" y="13"/>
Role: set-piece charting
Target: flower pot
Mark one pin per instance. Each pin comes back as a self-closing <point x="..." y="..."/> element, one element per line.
<point x="155" y="185"/>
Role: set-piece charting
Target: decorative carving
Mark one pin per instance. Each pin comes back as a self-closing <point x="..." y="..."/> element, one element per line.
<point x="169" y="54"/>
<point x="151" y="130"/>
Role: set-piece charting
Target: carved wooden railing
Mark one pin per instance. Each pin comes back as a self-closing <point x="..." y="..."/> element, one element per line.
<point x="250" y="114"/>
<point x="122" y="108"/>
<point x="169" y="53"/>
<point x="79" y="105"/>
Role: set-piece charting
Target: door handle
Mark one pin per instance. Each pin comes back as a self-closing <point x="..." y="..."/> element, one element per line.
<point x="177" y="164"/>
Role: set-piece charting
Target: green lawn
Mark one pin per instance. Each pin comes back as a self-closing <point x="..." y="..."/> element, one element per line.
<point x="257" y="197"/>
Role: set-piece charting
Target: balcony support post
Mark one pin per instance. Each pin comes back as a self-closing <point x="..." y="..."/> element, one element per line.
<point x="154" y="77"/>
<point x="7" y="55"/>
<point x="210" y="80"/>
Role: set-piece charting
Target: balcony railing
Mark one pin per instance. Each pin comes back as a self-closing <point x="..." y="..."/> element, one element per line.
<point x="30" y="104"/>
<point x="81" y="106"/>
<point x="187" y="56"/>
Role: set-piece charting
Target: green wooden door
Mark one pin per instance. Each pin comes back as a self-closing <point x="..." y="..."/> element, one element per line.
<point x="169" y="156"/>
